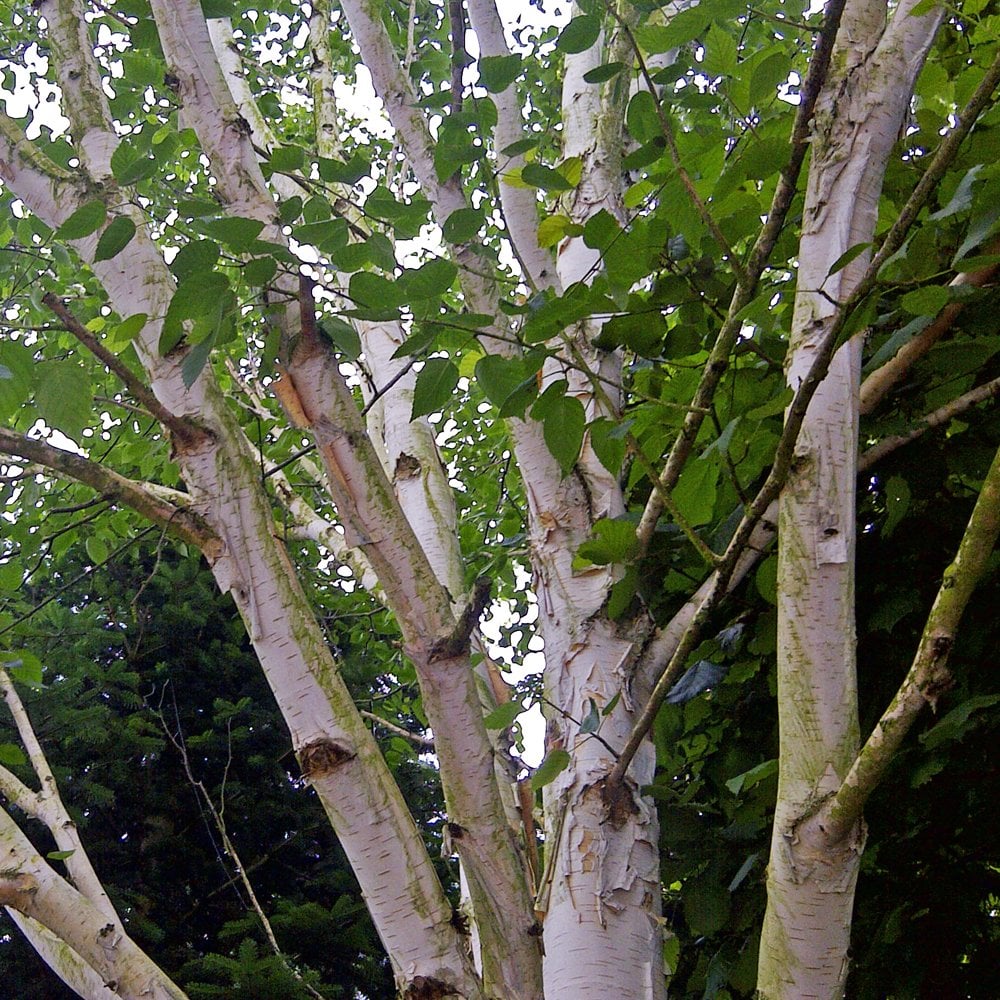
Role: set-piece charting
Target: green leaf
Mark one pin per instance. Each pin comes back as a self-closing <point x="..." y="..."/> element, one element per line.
<point x="519" y="147"/>
<point x="600" y="74"/>
<point x="622" y="594"/>
<point x="11" y="576"/>
<point x="236" y="233"/>
<point x="706" y="906"/>
<point x="17" y="377"/>
<point x="554" y="227"/>
<point x="429" y="280"/>
<point x="120" y="336"/>
<point x="955" y="724"/>
<point x="641" y="118"/>
<point x="115" y="238"/>
<point x="601" y="230"/>
<point x="591" y="722"/>
<point x="897" y="503"/>
<point x="196" y="359"/>
<point x="287" y="159"/>
<point x="607" y="438"/>
<point x="579" y="34"/>
<point x="684" y="26"/>
<point x="497" y="73"/>
<point x="85" y="220"/>
<point x="348" y="173"/>
<point x="720" y="52"/>
<point x="24" y="667"/>
<point x="64" y="397"/>
<point x="373" y="290"/>
<point x="11" y="755"/>
<point x="436" y="382"/>
<point x="462" y="225"/>
<point x="694" y="494"/>
<point x="544" y="177"/>
<point x="642" y="332"/>
<point x="563" y="423"/>
<point x="500" y="377"/>
<point x="343" y="336"/>
<point x="773" y="406"/>
<point x="195" y="258"/>
<point x="503" y="716"/>
<point x="260" y="271"/>
<point x="962" y="197"/>
<point x="96" y="549"/>
<point x="927" y="301"/>
<point x="766" y="580"/>
<point x="613" y="541"/>
<point x="845" y="258"/>
<point x="753" y="777"/>
<point x="768" y="75"/>
<point x="60" y="855"/>
<point x="556" y="761"/>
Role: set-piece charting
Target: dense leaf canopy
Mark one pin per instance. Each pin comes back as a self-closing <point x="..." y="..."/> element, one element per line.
<point x="123" y="624"/>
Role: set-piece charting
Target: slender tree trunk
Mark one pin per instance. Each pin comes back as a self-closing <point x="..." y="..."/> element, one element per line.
<point x="811" y="878"/>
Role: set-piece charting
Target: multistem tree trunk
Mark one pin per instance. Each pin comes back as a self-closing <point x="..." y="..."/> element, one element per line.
<point x="811" y="878"/>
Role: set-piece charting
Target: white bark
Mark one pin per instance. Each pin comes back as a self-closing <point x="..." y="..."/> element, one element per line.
<point x="520" y="205"/>
<point x="29" y="886"/>
<point x="338" y="753"/>
<point x="368" y="507"/>
<point x="806" y="935"/>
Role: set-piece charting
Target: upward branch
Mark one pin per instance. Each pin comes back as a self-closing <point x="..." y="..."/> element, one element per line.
<point x="746" y="288"/>
<point x="928" y="676"/>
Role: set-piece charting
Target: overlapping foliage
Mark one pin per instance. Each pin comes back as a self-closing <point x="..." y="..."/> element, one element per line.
<point x="703" y="162"/>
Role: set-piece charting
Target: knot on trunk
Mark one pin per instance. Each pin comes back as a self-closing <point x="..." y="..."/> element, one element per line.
<point x="17" y="890"/>
<point x="321" y="757"/>
<point x="619" y="802"/>
<point x="429" y="988"/>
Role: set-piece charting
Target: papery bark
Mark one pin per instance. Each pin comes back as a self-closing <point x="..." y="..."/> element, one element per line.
<point x="338" y="753"/>
<point x="318" y="400"/>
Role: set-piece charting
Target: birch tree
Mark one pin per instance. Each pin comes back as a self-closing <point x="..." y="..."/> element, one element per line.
<point x="426" y="301"/>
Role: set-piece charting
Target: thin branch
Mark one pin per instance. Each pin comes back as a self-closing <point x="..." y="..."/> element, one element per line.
<point x="165" y="507"/>
<point x="989" y="390"/>
<point x="76" y="579"/>
<point x="423" y="742"/>
<point x="718" y="360"/>
<point x="177" y="739"/>
<point x="928" y="677"/>
<point x="668" y="134"/>
<point x="51" y="810"/>
<point x="459" y="57"/>
<point x="880" y="382"/>
<point x="184" y="430"/>
<point x="795" y="415"/>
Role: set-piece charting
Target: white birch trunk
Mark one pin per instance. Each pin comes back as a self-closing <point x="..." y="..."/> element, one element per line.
<point x="811" y="879"/>
<point x="338" y="754"/>
<point x="87" y="949"/>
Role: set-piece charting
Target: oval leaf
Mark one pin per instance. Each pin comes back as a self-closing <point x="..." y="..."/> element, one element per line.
<point x="84" y="221"/>
<point x="435" y="384"/>
<point x="554" y="764"/>
<point x="115" y="238"/>
<point x="579" y="34"/>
